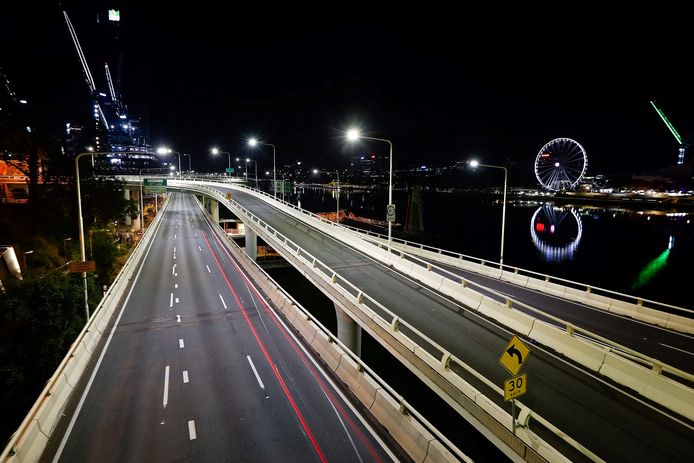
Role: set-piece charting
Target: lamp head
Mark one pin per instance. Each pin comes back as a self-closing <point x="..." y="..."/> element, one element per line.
<point x="252" y="142"/>
<point x="353" y="135"/>
<point x="215" y="151"/>
<point x="473" y="163"/>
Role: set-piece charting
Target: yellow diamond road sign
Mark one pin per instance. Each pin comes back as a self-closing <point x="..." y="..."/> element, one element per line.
<point x="514" y="355"/>
<point x="516" y="386"/>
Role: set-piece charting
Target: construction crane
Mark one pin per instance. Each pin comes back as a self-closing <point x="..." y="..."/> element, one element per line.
<point x="682" y="145"/>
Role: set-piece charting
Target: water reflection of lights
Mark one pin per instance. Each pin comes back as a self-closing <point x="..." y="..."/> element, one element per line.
<point x="548" y="222"/>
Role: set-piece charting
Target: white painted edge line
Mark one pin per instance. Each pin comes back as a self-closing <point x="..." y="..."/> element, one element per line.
<point x="185" y="376"/>
<point x="676" y="348"/>
<point x="208" y="269"/>
<point x="181" y="345"/>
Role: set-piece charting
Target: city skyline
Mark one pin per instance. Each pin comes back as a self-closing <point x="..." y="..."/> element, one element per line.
<point x="442" y="88"/>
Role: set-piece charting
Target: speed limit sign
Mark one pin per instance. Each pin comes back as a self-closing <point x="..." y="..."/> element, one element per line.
<point x="390" y="213"/>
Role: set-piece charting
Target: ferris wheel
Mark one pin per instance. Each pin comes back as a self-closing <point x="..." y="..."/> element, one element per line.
<point x="560" y="164"/>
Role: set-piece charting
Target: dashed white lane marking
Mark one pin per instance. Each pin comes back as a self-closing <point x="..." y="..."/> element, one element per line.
<point x="199" y="249"/>
<point x="171" y="301"/>
<point x="175" y="285"/>
<point x="208" y="269"/>
<point x="178" y="319"/>
<point x="173" y="270"/>
<point x="191" y="430"/>
<point x="174" y="249"/>
<point x="222" y="299"/>
<point x="181" y="345"/>
<point x="185" y="376"/>
<point x="176" y="300"/>
<point x="166" y="386"/>
<point x="175" y="235"/>
<point x="255" y="372"/>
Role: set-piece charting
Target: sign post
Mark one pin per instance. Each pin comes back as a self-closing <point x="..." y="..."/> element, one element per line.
<point x="513" y="358"/>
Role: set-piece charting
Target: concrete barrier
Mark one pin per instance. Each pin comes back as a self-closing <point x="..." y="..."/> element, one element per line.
<point x="515" y="278"/>
<point x="466" y="296"/>
<point x="427" y="277"/>
<point x="328" y="351"/>
<point x="409" y="433"/>
<point x="591" y="299"/>
<point x="50" y="410"/>
<point x="546" y="287"/>
<point x="517" y="321"/>
<point x="576" y="349"/>
<point x="360" y="383"/>
<point x="437" y="453"/>
<point x="31" y="445"/>
<point x="673" y="395"/>
<point x="680" y="323"/>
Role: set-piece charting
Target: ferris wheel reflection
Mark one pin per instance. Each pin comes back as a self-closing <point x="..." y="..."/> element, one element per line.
<point x="556" y="232"/>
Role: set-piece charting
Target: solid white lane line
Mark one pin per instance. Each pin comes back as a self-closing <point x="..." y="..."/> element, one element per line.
<point x="222" y="299"/>
<point x="181" y="345"/>
<point x="174" y="249"/>
<point x="173" y="270"/>
<point x="166" y="386"/>
<point x="208" y="269"/>
<point x="191" y="430"/>
<point x="676" y="348"/>
<point x="171" y="300"/>
<point x="185" y="376"/>
<point x="255" y="372"/>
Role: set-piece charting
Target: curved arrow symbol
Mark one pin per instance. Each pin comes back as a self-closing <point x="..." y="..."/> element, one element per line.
<point x="513" y="351"/>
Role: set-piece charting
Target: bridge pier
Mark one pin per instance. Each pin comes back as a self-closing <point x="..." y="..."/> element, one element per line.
<point x="128" y="220"/>
<point x="348" y="331"/>
<point x="251" y="243"/>
<point x="214" y="210"/>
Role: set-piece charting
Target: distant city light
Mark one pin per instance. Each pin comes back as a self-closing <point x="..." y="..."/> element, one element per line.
<point x="671" y="242"/>
<point x="23" y="101"/>
<point x="315" y="171"/>
<point x="28" y="129"/>
<point x="123" y="116"/>
<point x="114" y="15"/>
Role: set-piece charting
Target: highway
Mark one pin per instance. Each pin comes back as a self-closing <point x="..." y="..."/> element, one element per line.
<point x="671" y="347"/>
<point x="199" y="368"/>
<point x="605" y="418"/>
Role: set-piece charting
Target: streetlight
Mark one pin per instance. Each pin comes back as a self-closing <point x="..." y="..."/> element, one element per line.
<point x="254" y="142"/>
<point x="337" y="216"/>
<point x="215" y="152"/>
<point x="353" y="135"/>
<point x="255" y="164"/>
<point x="186" y="154"/>
<point x="65" y="240"/>
<point x="165" y="150"/>
<point x="475" y="163"/>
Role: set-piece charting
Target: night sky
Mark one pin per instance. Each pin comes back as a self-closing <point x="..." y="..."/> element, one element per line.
<point x="443" y="83"/>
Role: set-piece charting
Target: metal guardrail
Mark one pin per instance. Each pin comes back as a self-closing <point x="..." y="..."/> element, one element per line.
<point x="374" y="309"/>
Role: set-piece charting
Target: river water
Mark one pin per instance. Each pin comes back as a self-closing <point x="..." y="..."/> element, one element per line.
<point x="639" y="252"/>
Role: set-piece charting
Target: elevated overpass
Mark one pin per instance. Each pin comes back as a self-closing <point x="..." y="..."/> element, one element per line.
<point x="588" y="393"/>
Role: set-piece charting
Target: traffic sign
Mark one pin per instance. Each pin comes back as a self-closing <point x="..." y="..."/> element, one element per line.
<point x="514" y="355"/>
<point x="390" y="213"/>
<point x="155" y="181"/>
<point x="515" y="387"/>
<point x="80" y="267"/>
<point x="229" y="196"/>
<point x="230" y="170"/>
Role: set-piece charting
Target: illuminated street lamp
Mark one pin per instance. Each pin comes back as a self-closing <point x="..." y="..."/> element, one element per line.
<point x="165" y="150"/>
<point x="254" y="142"/>
<point x="255" y="163"/>
<point x="354" y="135"/>
<point x="337" y="216"/>
<point x="475" y="163"/>
<point x="216" y="151"/>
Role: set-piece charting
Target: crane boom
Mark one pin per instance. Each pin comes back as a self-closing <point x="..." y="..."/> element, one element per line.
<point x="667" y="122"/>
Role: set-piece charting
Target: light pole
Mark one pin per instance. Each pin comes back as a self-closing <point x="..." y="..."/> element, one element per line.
<point x="186" y="154"/>
<point x="165" y="150"/>
<point x="215" y="152"/>
<point x="255" y="164"/>
<point x="353" y="135"/>
<point x="474" y="164"/>
<point x="337" y="215"/>
<point x="65" y="240"/>
<point x="254" y="142"/>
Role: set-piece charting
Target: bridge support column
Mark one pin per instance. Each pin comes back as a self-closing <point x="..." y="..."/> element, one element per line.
<point x="128" y="219"/>
<point x="348" y="331"/>
<point x="214" y="210"/>
<point x="251" y="243"/>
